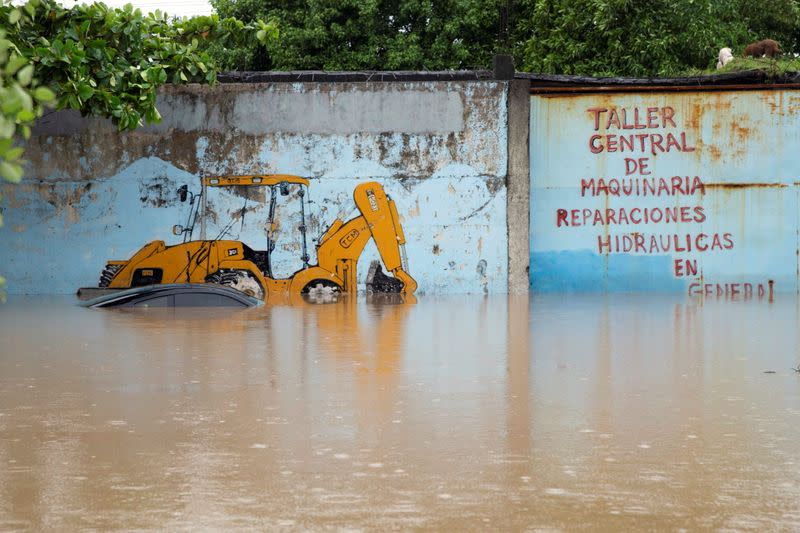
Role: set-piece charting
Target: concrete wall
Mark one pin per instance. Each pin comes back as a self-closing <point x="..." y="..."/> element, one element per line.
<point x="439" y="147"/>
<point x="704" y="200"/>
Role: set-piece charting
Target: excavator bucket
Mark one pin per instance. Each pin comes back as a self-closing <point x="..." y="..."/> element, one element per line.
<point x="377" y="281"/>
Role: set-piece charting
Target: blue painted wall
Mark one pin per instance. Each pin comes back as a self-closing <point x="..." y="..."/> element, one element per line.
<point x="440" y="149"/>
<point x="740" y="145"/>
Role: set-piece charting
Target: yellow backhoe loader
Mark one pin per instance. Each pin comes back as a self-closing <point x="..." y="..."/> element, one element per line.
<point x="234" y="264"/>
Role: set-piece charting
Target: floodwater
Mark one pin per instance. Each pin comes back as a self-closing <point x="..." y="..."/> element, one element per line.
<point x="462" y="413"/>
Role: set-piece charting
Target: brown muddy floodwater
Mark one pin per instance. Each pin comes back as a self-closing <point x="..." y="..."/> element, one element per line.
<point x="462" y="413"/>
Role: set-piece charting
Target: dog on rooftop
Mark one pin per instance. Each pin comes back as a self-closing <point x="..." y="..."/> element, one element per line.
<point x="725" y="56"/>
<point x="764" y="48"/>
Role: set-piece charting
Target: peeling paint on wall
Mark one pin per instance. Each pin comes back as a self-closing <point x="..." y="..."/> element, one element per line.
<point x="439" y="148"/>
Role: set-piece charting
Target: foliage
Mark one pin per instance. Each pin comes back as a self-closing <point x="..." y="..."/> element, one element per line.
<point x="609" y="37"/>
<point x="369" y="34"/>
<point x="587" y="37"/>
<point x="102" y="62"/>
<point x="109" y="62"/>
<point x="769" y="19"/>
<point x="21" y="101"/>
<point x="654" y="38"/>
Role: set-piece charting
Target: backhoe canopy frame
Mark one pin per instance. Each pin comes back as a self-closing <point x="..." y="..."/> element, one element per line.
<point x="254" y="180"/>
<point x="260" y="180"/>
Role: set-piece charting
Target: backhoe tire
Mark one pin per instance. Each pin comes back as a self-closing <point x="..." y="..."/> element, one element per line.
<point x="108" y="274"/>
<point x="321" y="291"/>
<point x="241" y="280"/>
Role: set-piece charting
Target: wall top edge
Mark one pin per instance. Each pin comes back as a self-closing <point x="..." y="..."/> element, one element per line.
<point x="360" y="76"/>
<point x="744" y="80"/>
<point x="758" y="79"/>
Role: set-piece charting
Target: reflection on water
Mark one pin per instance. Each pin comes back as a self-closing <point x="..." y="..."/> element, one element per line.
<point x="453" y="413"/>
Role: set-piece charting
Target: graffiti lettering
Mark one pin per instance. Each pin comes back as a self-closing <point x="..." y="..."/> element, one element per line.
<point x="633" y="166"/>
<point x="685" y="267"/>
<point x="622" y="119"/>
<point x="606" y="119"/>
<point x="673" y="186"/>
<point x="663" y="243"/>
<point x="627" y="216"/>
<point x="733" y="290"/>
<point x="612" y="134"/>
<point x="653" y="143"/>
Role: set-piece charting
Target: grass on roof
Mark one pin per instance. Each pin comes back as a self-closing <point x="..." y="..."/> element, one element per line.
<point x="773" y="67"/>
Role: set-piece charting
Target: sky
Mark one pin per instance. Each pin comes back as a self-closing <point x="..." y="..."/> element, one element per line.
<point x="181" y="8"/>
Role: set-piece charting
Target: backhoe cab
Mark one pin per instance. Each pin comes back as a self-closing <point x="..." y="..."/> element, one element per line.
<point x="234" y="264"/>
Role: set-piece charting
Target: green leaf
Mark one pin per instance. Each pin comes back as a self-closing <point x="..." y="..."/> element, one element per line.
<point x="25" y="75"/>
<point x="43" y="94"/>
<point x="152" y="115"/>
<point x="26" y="102"/>
<point x="85" y="91"/>
<point x="26" y="115"/>
<point x="7" y="127"/>
<point x="30" y="9"/>
<point x="11" y="104"/>
<point x="10" y="172"/>
<point x="15" y="63"/>
<point x="14" y="16"/>
<point x="13" y="154"/>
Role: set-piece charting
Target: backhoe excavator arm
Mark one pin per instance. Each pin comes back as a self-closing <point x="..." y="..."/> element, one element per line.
<point x="341" y="246"/>
<point x="380" y="213"/>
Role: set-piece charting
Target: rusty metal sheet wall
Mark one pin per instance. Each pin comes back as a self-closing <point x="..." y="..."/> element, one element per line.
<point x="666" y="191"/>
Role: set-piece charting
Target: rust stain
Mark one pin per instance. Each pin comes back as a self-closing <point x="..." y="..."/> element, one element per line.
<point x="716" y="127"/>
<point x="414" y="211"/>
<point x="742" y="132"/>
<point x="720" y="103"/>
<point x="794" y="105"/>
<point x="714" y="152"/>
<point x="778" y="107"/>
<point x="745" y="185"/>
<point x="695" y="114"/>
<point x="581" y="90"/>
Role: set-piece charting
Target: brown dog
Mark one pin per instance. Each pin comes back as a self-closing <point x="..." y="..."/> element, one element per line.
<point x="767" y="47"/>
